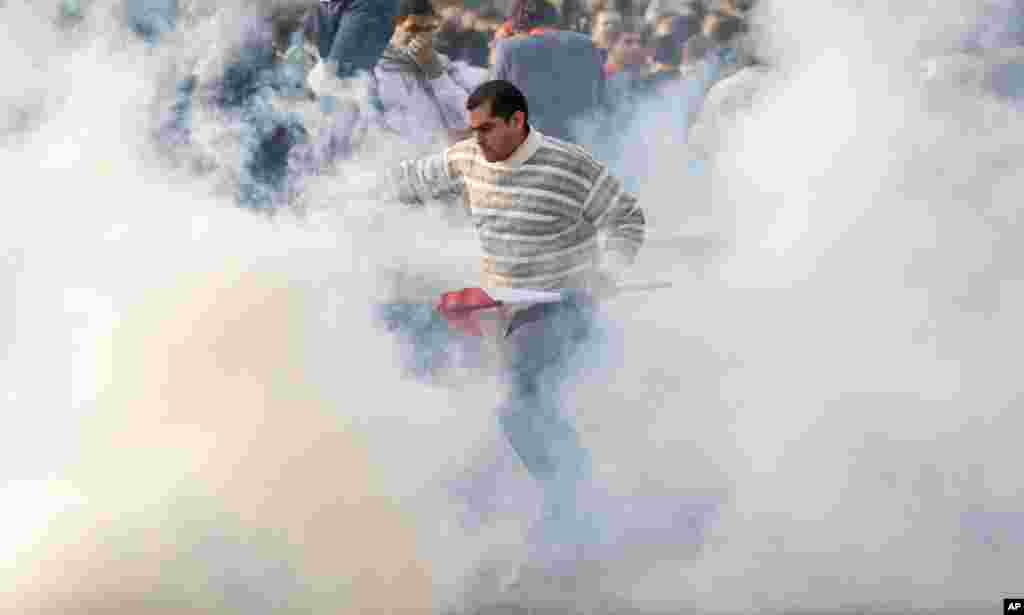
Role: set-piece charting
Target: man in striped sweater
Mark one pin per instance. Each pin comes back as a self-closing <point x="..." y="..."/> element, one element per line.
<point x="539" y="204"/>
<point x="549" y="216"/>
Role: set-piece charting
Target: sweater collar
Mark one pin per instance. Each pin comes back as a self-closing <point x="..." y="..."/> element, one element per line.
<point x="525" y="151"/>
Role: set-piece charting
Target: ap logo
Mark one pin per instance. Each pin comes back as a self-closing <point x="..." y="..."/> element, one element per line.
<point x="1013" y="605"/>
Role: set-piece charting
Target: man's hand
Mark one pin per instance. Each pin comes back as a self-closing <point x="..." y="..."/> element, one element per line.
<point x="422" y="50"/>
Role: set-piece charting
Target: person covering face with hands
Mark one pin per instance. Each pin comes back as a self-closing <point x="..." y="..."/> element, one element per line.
<point x="422" y="93"/>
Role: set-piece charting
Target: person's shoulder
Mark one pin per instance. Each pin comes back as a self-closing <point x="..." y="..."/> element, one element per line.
<point x="546" y="39"/>
<point x="573" y="42"/>
<point x="554" y="149"/>
<point x="466" y="72"/>
<point x="515" y="43"/>
<point x="568" y="36"/>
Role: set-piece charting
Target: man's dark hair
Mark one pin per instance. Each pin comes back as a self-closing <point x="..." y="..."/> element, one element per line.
<point x="418" y="8"/>
<point x="504" y="97"/>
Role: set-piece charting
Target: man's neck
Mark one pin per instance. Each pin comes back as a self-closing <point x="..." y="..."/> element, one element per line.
<point x="521" y="152"/>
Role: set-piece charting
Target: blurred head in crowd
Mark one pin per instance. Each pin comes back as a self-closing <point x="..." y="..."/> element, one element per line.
<point x="628" y="52"/>
<point x="608" y="25"/>
<point x="736" y="8"/>
<point x="722" y="28"/>
<point x="499" y="118"/>
<point x="667" y="53"/>
<point x="416" y="21"/>
<point x="526" y="15"/>
<point x="680" y="27"/>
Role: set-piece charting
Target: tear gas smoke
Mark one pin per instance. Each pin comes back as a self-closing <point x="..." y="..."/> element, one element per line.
<point x="201" y="415"/>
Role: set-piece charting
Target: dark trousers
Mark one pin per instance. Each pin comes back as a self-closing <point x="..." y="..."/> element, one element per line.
<point x="539" y="358"/>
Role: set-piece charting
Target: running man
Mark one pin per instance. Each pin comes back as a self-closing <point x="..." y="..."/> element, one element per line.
<point x="549" y="217"/>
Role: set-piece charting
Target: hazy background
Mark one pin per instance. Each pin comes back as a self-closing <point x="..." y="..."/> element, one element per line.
<point x="199" y="414"/>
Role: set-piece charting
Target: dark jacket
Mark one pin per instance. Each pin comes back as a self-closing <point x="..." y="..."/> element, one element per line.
<point x="351" y="33"/>
<point x="559" y="72"/>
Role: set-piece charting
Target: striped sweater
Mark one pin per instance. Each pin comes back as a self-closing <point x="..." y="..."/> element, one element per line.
<point x="547" y="217"/>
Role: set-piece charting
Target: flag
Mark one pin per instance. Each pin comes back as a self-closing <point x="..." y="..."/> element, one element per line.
<point x="461" y="308"/>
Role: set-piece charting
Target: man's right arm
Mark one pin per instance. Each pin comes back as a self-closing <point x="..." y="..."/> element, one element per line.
<point x="415" y="182"/>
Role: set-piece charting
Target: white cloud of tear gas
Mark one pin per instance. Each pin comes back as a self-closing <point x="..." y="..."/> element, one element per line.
<point x="209" y="387"/>
<point x="842" y="367"/>
<point x="199" y="401"/>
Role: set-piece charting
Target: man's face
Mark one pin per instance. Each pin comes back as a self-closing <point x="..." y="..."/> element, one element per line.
<point x="629" y="51"/>
<point x="496" y="137"/>
<point x="607" y="26"/>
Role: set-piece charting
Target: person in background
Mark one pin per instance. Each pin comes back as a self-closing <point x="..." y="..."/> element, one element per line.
<point x="679" y="27"/>
<point x="716" y="52"/>
<point x="350" y="35"/>
<point x="724" y="106"/>
<point x="559" y="71"/>
<point x="476" y="39"/>
<point x="530" y="18"/>
<point x="225" y="120"/>
<point x="422" y="93"/>
<point x="659" y="8"/>
<point x="664" y="70"/>
<point x="608" y="25"/>
<point x="151" y="20"/>
<point x="651" y="118"/>
<point x="628" y="62"/>
<point x="295" y="58"/>
<point x="461" y="38"/>
<point x="449" y="37"/>
<point x="628" y="57"/>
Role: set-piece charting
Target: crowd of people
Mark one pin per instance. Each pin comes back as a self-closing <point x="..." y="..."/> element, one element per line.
<point x="267" y="101"/>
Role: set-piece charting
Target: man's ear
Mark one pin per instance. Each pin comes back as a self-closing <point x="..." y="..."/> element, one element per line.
<point x="519" y="119"/>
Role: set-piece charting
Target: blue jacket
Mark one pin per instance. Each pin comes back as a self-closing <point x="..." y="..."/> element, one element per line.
<point x="352" y="33"/>
<point x="560" y="74"/>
